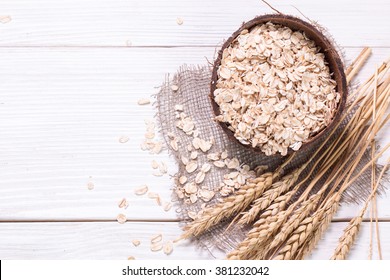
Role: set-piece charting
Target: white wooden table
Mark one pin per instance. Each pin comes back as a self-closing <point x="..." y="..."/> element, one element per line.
<point x="71" y="72"/>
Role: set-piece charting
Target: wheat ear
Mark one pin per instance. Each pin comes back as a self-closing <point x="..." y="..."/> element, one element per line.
<point x="305" y="209"/>
<point x="257" y="236"/>
<point x="347" y="240"/>
<point x="268" y="198"/>
<point x="229" y="206"/>
<point x="235" y="203"/>
<point x="333" y="203"/>
<point x="319" y="220"/>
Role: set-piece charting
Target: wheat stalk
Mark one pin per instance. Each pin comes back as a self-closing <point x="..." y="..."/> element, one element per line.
<point x="269" y="223"/>
<point x="261" y="230"/>
<point x="304" y="233"/>
<point x="331" y="205"/>
<point x="351" y="231"/>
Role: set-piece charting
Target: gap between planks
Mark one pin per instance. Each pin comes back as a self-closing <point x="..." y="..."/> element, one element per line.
<point x="147" y="46"/>
<point x="337" y="220"/>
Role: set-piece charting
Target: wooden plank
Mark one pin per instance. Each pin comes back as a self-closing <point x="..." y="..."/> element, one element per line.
<point x="153" y="23"/>
<point x="112" y="241"/>
<point x="62" y="112"/>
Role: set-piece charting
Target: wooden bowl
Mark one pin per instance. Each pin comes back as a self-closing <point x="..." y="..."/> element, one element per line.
<point x="331" y="56"/>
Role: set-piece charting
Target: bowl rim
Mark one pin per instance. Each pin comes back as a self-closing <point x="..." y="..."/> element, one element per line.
<point x="332" y="57"/>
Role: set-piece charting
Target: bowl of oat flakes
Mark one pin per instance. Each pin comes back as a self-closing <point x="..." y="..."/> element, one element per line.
<point x="278" y="85"/>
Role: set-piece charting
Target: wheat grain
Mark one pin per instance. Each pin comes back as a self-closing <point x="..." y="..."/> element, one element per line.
<point x="259" y="233"/>
<point x="268" y="197"/>
<point x="304" y="210"/>
<point x="347" y="240"/>
<point x="319" y="228"/>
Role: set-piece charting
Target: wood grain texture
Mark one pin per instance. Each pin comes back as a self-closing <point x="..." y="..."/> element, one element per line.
<point x="63" y="111"/>
<point x="153" y="23"/>
<point x="71" y="73"/>
<point x="113" y="241"/>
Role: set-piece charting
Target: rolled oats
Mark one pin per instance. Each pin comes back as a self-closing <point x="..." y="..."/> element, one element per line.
<point x="200" y="177"/>
<point x="182" y="180"/>
<point x="124" y="139"/>
<point x="167" y="206"/>
<point x="168" y="248"/>
<point x="141" y="190"/>
<point x="275" y="90"/>
<point x="121" y="218"/>
<point x="156" y="238"/>
<point x="123" y="203"/>
<point x="154" y="164"/>
<point x="191" y="166"/>
<point x="154" y="247"/>
<point x="143" y="101"/>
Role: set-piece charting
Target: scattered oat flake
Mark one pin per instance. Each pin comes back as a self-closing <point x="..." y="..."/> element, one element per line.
<point x="200" y="177"/>
<point x="168" y="248"/>
<point x="206" y="195"/>
<point x="154" y="164"/>
<point x="158" y="200"/>
<point x="136" y="242"/>
<point x="90" y="186"/>
<point x="213" y="156"/>
<point x="130" y="258"/>
<point x="121" y="218"/>
<point x="194" y="155"/>
<point x="234" y="163"/>
<point x="205" y="167"/>
<point x="190" y="188"/>
<point x="167" y="206"/>
<point x="123" y="203"/>
<point x="191" y="166"/>
<point x="179" y="21"/>
<point x="149" y="135"/>
<point x="175" y="88"/>
<point x="205" y="145"/>
<point x="219" y="163"/>
<point x="124" y="139"/>
<point x="157" y="174"/>
<point x="192" y="214"/>
<point x="224" y="155"/>
<point x="141" y="190"/>
<point x="156" y="238"/>
<point x="153" y="195"/>
<point x="163" y="168"/>
<point x="156" y="247"/>
<point x="193" y="198"/>
<point x="174" y="145"/>
<point x="5" y="19"/>
<point x="143" y="101"/>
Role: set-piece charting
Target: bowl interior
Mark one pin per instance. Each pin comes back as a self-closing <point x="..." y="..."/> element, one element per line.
<point x="331" y="56"/>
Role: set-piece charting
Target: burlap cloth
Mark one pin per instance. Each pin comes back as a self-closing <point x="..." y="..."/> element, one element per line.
<point x="193" y="94"/>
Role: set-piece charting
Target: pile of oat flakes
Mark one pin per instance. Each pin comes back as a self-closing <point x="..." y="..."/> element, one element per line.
<point x="274" y="89"/>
